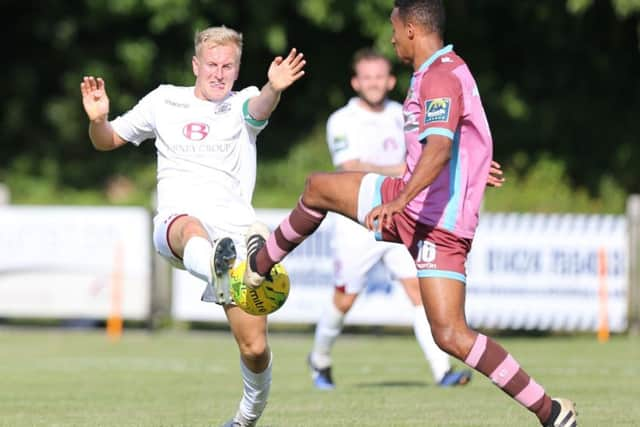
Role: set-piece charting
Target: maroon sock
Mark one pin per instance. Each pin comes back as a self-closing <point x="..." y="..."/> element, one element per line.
<point x="489" y="358"/>
<point x="293" y="230"/>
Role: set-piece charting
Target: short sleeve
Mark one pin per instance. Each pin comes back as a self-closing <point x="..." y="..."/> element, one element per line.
<point x="341" y="148"/>
<point x="440" y="105"/>
<point x="138" y="124"/>
<point x="245" y="95"/>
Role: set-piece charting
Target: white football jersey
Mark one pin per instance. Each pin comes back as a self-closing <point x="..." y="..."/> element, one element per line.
<point x="354" y="133"/>
<point x="206" y="151"/>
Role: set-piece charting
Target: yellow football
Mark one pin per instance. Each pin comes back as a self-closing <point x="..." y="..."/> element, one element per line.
<point x="266" y="298"/>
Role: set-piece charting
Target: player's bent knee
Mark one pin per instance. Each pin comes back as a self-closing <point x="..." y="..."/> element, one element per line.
<point x="255" y="350"/>
<point x="343" y="307"/>
<point x="314" y="188"/>
<point x="311" y="188"/>
<point x="191" y="227"/>
<point x="447" y="338"/>
<point x="343" y="301"/>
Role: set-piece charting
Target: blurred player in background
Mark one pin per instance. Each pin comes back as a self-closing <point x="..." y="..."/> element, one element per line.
<point x="433" y="209"/>
<point x="205" y="136"/>
<point x="367" y="135"/>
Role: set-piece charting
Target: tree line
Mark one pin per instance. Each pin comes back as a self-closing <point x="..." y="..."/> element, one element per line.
<point x="558" y="79"/>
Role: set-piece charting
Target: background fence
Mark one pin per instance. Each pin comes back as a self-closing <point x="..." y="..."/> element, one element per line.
<point x="526" y="271"/>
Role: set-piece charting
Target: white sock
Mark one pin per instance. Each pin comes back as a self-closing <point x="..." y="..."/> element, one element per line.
<point x="327" y="330"/>
<point x="256" y="391"/>
<point x="197" y="257"/>
<point x="438" y="359"/>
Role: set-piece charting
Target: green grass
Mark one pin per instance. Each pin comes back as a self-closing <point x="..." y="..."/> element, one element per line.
<point x="54" y="377"/>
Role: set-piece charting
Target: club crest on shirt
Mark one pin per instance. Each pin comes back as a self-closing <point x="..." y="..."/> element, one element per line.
<point x="437" y="110"/>
<point x="222" y="108"/>
<point x="339" y="143"/>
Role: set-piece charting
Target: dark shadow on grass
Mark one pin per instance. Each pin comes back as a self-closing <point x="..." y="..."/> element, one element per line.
<point x="417" y="384"/>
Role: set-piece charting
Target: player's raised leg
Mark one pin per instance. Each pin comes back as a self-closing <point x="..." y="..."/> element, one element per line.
<point x="250" y="332"/>
<point x="184" y="241"/>
<point x="331" y="191"/>
<point x="444" y="299"/>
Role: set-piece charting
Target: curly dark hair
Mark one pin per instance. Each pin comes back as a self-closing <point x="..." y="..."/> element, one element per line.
<point x="428" y="13"/>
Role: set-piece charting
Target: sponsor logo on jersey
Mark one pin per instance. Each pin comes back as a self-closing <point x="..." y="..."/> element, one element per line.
<point x="202" y="149"/>
<point x="437" y="110"/>
<point x="390" y="144"/>
<point x="222" y="108"/>
<point x="339" y="143"/>
<point x="176" y="104"/>
<point x="195" y="131"/>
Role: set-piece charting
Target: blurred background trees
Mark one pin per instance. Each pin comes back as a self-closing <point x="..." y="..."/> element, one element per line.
<point x="560" y="82"/>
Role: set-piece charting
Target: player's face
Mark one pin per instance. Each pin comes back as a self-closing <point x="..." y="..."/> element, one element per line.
<point x="400" y="39"/>
<point x="216" y="69"/>
<point x="373" y="80"/>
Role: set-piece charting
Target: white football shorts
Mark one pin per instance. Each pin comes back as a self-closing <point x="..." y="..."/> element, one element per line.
<point x="356" y="251"/>
<point x="163" y="220"/>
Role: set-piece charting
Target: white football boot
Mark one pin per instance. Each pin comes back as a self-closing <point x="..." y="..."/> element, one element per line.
<point x="223" y="257"/>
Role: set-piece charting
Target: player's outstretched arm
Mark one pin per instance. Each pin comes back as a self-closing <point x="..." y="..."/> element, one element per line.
<point x="96" y="104"/>
<point x="283" y="72"/>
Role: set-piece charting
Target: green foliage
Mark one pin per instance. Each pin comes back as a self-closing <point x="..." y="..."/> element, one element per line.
<point x="322" y="13"/>
<point x="623" y="8"/>
<point x="138" y="55"/>
<point x="543" y="90"/>
<point x="545" y="187"/>
<point x="578" y="6"/>
<point x="125" y="188"/>
<point x="281" y="181"/>
<point x="513" y="104"/>
<point x="276" y="37"/>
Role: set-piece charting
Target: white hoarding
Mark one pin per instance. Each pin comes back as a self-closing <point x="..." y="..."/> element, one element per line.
<point x="75" y="262"/>
<point x="557" y="272"/>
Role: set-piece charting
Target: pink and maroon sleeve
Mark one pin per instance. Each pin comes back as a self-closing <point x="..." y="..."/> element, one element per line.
<point x="440" y="105"/>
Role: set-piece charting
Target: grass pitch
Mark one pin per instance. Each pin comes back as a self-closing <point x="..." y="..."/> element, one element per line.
<point x="55" y="377"/>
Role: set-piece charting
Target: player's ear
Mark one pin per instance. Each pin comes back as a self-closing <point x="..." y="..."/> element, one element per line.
<point x="195" y="64"/>
<point x="391" y="82"/>
<point x="411" y="30"/>
<point x="355" y="84"/>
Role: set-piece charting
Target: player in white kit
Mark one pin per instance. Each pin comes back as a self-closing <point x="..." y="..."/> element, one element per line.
<point x="205" y="137"/>
<point x="368" y="135"/>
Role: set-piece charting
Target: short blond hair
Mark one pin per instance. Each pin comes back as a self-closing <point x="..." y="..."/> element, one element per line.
<point x="218" y="36"/>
